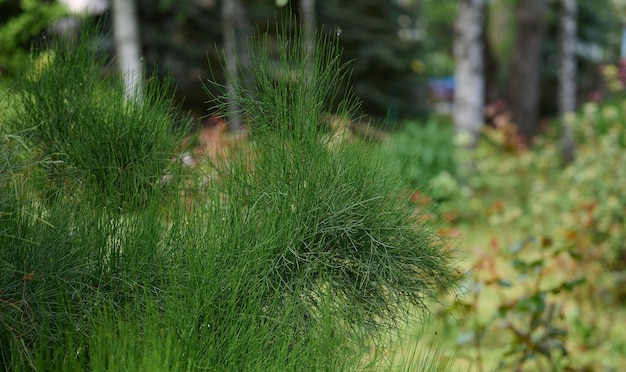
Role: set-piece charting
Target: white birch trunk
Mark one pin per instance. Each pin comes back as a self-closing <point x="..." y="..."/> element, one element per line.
<point x="567" y="74"/>
<point x="127" y="44"/>
<point x="307" y="11"/>
<point x="469" y="91"/>
<point x="234" y="25"/>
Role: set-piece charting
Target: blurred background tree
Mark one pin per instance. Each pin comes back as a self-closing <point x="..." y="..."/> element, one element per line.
<point x="381" y="38"/>
<point x="128" y="46"/>
<point x="469" y="97"/>
<point x="524" y="82"/>
<point x="396" y="47"/>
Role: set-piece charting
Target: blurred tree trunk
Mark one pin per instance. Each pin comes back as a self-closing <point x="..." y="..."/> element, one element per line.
<point x="567" y="75"/>
<point x="307" y="13"/>
<point x="469" y="94"/>
<point x="492" y="66"/>
<point x="524" y="85"/>
<point x="127" y="45"/>
<point x="235" y="30"/>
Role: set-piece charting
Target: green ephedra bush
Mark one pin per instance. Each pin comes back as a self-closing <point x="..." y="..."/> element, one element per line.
<point x="291" y="259"/>
<point x="92" y="138"/>
<point x="326" y="219"/>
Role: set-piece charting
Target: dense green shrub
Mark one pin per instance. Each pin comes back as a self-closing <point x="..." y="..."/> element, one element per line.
<point x="586" y="201"/>
<point x="292" y="258"/>
<point x="327" y="219"/>
<point x="93" y="140"/>
<point x="61" y="263"/>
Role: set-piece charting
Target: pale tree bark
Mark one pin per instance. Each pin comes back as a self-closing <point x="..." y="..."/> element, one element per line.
<point x="524" y="86"/>
<point x="235" y="31"/>
<point x="307" y="13"/>
<point x="469" y="94"/>
<point x="127" y="44"/>
<point x="567" y="75"/>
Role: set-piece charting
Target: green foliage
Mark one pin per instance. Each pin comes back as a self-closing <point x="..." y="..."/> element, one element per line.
<point x="586" y="199"/>
<point x="326" y="220"/>
<point x="21" y="21"/>
<point x="547" y="277"/>
<point x="529" y="315"/>
<point x="292" y="258"/>
<point x="381" y="61"/>
<point x="86" y="131"/>
<point x="427" y="156"/>
<point x="288" y="92"/>
<point x="61" y="264"/>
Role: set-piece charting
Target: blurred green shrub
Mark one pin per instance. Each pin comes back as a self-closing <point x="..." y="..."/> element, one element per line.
<point x="427" y="154"/>
<point x="559" y="287"/>
<point x="580" y="208"/>
<point x="584" y="207"/>
<point x="20" y="22"/>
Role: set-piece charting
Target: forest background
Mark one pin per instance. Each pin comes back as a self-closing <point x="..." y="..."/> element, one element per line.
<point x="541" y="227"/>
<point x="401" y="52"/>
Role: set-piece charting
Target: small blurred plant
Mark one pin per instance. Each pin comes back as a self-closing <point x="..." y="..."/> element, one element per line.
<point x="614" y="78"/>
<point x="530" y="313"/>
<point x="426" y="153"/>
<point x="23" y="21"/>
<point x="500" y="128"/>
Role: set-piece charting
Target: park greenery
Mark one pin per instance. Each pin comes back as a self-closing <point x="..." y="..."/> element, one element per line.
<point x="542" y="245"/>
<point x="302" y="245"/>
<point x="292" y="254"/>
<point x="394" y="47"/>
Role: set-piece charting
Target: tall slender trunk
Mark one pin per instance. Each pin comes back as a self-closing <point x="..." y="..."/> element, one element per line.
<point x="469" y="94"/>
<point x="127" y="44"/>
<point x="307" y="13"/>
<point x="567" y="75"/>
<point x="491" y="64"/>
<point x="235" y="32"/>
<point x="525" y="92"/>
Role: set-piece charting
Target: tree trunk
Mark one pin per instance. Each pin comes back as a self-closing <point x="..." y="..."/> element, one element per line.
<point x="235" y="31"/>
<point x="567" y="75"/>
<point x="127" y="44"/>
<point x="491" y="65"/>
<point x="307" y="13"/>
<point x="469" y="94"/>
<point x="524" y="93"/>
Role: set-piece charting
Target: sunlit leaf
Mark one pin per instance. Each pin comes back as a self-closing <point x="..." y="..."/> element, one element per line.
<point x="535" y="303"/>
<point x="569" y="285"/>
<point x="465" y="338"/>
<point x="519" y="245"/>
<point x="504" y="283"/>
